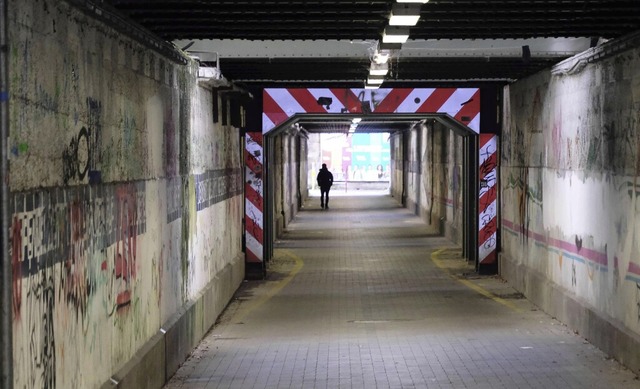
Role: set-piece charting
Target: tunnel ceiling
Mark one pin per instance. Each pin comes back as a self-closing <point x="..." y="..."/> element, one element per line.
<point x="454" y="41"/>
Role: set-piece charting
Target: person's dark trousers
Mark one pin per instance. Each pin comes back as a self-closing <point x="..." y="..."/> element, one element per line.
<point x="324" y="198"/>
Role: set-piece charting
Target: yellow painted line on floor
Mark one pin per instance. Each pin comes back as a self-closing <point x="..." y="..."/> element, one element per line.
<point x="277" y="287"/>
<point x="478" y="289"/>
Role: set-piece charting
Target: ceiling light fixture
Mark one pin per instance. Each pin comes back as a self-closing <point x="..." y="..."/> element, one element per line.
<point x="378" y="69"/>
<point x="380" y="57"/>
<point x="395" y="34"/>
<point x="404" y="15"/>
<point x="414" y="1"/>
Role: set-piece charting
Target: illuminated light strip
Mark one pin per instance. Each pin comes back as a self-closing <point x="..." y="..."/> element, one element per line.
<point x="487" y="198"/>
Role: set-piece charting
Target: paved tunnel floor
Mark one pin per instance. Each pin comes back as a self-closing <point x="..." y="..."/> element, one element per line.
<point x="360" y="296"/>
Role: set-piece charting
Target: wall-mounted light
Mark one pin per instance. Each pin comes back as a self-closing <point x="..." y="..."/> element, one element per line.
<point x="404" y="15"/>
<point x="395" y="34"/>
<point x="378" y="69"/>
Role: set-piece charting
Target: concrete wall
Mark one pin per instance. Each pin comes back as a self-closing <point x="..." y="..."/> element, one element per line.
<point x="126" y="204"/>
<point x="570" y="212"/>
<point x="433" y="161"/>
<point x="290" y="178"/>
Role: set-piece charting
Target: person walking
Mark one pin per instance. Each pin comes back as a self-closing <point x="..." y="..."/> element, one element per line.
<point x="325" y="180"/>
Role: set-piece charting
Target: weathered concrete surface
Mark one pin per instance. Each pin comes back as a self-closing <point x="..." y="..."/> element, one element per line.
<point x="570" y="213"/>
<point x="433" y="162"/>
<point x="126" y="201"/>
<point x="289" y="177"/>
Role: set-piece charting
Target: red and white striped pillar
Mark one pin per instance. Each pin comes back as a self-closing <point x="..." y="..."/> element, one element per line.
<point x="253" y="190"/>
<point x="488" y="199"/>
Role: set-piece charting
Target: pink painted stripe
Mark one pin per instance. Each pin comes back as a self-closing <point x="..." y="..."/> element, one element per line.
<point x="634" y="268"/>
<point x="592" y="255"/>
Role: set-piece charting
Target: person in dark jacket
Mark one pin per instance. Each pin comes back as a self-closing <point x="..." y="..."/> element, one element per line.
<point x="325" y="180"/>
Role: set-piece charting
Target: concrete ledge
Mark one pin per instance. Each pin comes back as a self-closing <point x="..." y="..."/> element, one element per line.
<point x="600" y="330"/>
<point x="160" y="357"/>
<point x="145" y="370"/>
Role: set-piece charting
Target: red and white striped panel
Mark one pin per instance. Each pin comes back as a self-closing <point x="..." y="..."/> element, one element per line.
<point x="253" y="197"/>
<point x="279" y="104"/>
<point x="488" y="198"/>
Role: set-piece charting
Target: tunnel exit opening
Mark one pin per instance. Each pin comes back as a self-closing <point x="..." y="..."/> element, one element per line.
<point x="434" y="160"/>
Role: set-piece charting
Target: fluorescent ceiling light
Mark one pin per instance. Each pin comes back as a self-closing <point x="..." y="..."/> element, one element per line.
<point x="404" y="15"/>
<point x="413" y="1"/>
<point x="378" y="69"/>
<point x="394" y="34"/>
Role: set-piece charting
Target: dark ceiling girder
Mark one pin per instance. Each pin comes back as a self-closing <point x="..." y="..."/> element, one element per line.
<point x="365" y="20"/>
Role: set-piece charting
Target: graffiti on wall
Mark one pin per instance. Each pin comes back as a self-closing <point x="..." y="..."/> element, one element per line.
<point x="215" y="186"/>
<point x="66" y="245"/>
<point x="80" y="159"/>
<point x="72" y="227"/>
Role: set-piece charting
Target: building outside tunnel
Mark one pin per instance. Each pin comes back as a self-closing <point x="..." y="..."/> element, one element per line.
<point x="141" y="188"/>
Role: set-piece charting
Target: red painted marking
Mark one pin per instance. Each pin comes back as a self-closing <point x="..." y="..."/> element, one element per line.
<point x="487" y="199"/>
<point x="272" y="109"/>
<point x="436" y="100"/>
<point x="253" y="163"/>
<point x="348" y="99"/>
<point x="393" y="100"/>
<point x="488" y="230"/>
<point x="254" y="229"/>
<point x="484" y="139"/>
<point x="471" y="109"/>
<point x="491" y="258"/>
<point x="251" y="257"/>
<point x="255" y="137"/>
<point x="253" y="196"/>
<point x="488" y="167"/>
<point x="306" y="100"/>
